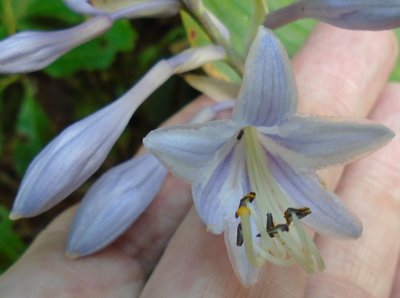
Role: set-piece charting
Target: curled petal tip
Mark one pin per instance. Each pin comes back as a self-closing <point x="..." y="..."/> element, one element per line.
<point x="15" y="216"/>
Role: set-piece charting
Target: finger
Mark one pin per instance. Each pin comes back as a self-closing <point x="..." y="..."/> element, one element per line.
<point x="396" y="280"/>
<point x="44" y="271"/>
<point x="191" y="246"/>
<point x="366" y="267"/>
<point x="341" y="72"/>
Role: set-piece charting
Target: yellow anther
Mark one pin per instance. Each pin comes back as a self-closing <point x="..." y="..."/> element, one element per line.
<point x="242" y="211"/>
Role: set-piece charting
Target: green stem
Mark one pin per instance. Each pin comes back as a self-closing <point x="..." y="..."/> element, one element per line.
<point x="234" y="58"/>
<point x="8" y="16"/>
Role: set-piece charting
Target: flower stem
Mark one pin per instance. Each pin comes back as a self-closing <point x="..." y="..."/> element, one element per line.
<point x="284" y="16"/>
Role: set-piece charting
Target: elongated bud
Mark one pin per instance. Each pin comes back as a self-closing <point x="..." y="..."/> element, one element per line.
<point x="72" y="157"/>
<point x="351" y="14"/>
<point x="118" y="198"/>
<point x="125" y="9"/>
<point x="33" y="50"/>
<point x="113" y="203"/>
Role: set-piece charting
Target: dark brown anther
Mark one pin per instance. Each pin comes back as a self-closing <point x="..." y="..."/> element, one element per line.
<point x="270" y="221"/>
<point x="300" y="213"/>
<point x="272" y="229"/>
<point x="281" y="227"/>
<point x="239" y="236"/>
<point x="240" y="135"/>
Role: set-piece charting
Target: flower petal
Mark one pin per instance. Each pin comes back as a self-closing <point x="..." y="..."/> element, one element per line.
<point x="220" y="188"/>
<point x="316" y="142"/>
<point x="67" y="161"/>
<point x="186" y="150"/>
<point x="328" y="213"/>
<point x="125" y="9"/>
<point x="33" y="50"/>
<point x="113" y="203"/>
<point x="247" y="274"/>
<point x="72" y="157"/>
<point x="268" y="94"/>
<point x="355" y="14"/>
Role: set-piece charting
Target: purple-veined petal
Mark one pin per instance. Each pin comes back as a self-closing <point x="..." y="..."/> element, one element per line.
<point x="113" y="203"/>
<point x="247" y="274"/>
<point x="268" y="95"/>
<point x="328" y="213"/>
<point x="125" y="9"/>
<point x="149" y="8"/>
<point x="79" y="150"/>
<point x="349" y="14"/>
<point x="72" y="157"/>
<point x="316" y="142"/>
<point x="83" y="7"/>
<point x="220" y="187"/>
<point x="187" y="150"/>
<point x="33" y="50"/>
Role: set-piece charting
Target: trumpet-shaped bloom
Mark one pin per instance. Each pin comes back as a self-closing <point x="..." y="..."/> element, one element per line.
<point x="113" y="203"/>
<point x="349" y="14"/>
<point x="119" y="197"/>
<point x="125" y="9"/>
<point x="72" y="157"/>
<point x="248" y="173"/>
<point x="33" y="50"/>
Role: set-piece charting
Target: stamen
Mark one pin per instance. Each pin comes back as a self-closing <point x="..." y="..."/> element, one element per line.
<point x="244" y="213"/>
<point x="299" y="212"/>
<point x="247" y="198"/>
<point x="240" y="135"/>
<point x="239" y="236"/>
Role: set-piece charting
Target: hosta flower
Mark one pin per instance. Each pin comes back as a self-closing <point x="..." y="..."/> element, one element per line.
<point x="349" y="14"/>
<point x="72" y="157"/>
<point x="33" y="50"/>
<point x="253" y="177"/>
<point x="115" y="201"/>
<point x="125" y="9"/>
<point x="119" y="197"/>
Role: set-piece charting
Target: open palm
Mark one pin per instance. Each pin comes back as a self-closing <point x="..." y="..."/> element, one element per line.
<point x="168" y="253"/>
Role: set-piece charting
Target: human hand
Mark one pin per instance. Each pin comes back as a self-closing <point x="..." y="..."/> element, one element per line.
<point x="339" y="73"/>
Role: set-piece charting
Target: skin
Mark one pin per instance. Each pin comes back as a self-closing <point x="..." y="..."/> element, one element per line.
<point x="169" y="253"/>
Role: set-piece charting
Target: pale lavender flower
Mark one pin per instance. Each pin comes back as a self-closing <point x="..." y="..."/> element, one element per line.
<point x="67" y="161"/>
<point x="119" y="197"/>
<point x="349" y="14"/>
<point x="33" y="50"/>
<point x="113" y="203"/>
<point x="268" y="149"/>
<point x="126" y="9"/>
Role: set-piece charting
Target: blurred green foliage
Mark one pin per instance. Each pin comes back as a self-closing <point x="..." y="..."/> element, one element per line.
<point x="11" y="245"/>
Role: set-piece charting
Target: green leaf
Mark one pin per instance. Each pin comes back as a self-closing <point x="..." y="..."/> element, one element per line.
<point x="198" y="38"/>
<point x="97" y="54"/>
<point x="396" y="70"/>
<point x="11" y="245"/>
<point x="33" y="130"/>
<point x="241" y="18"/>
